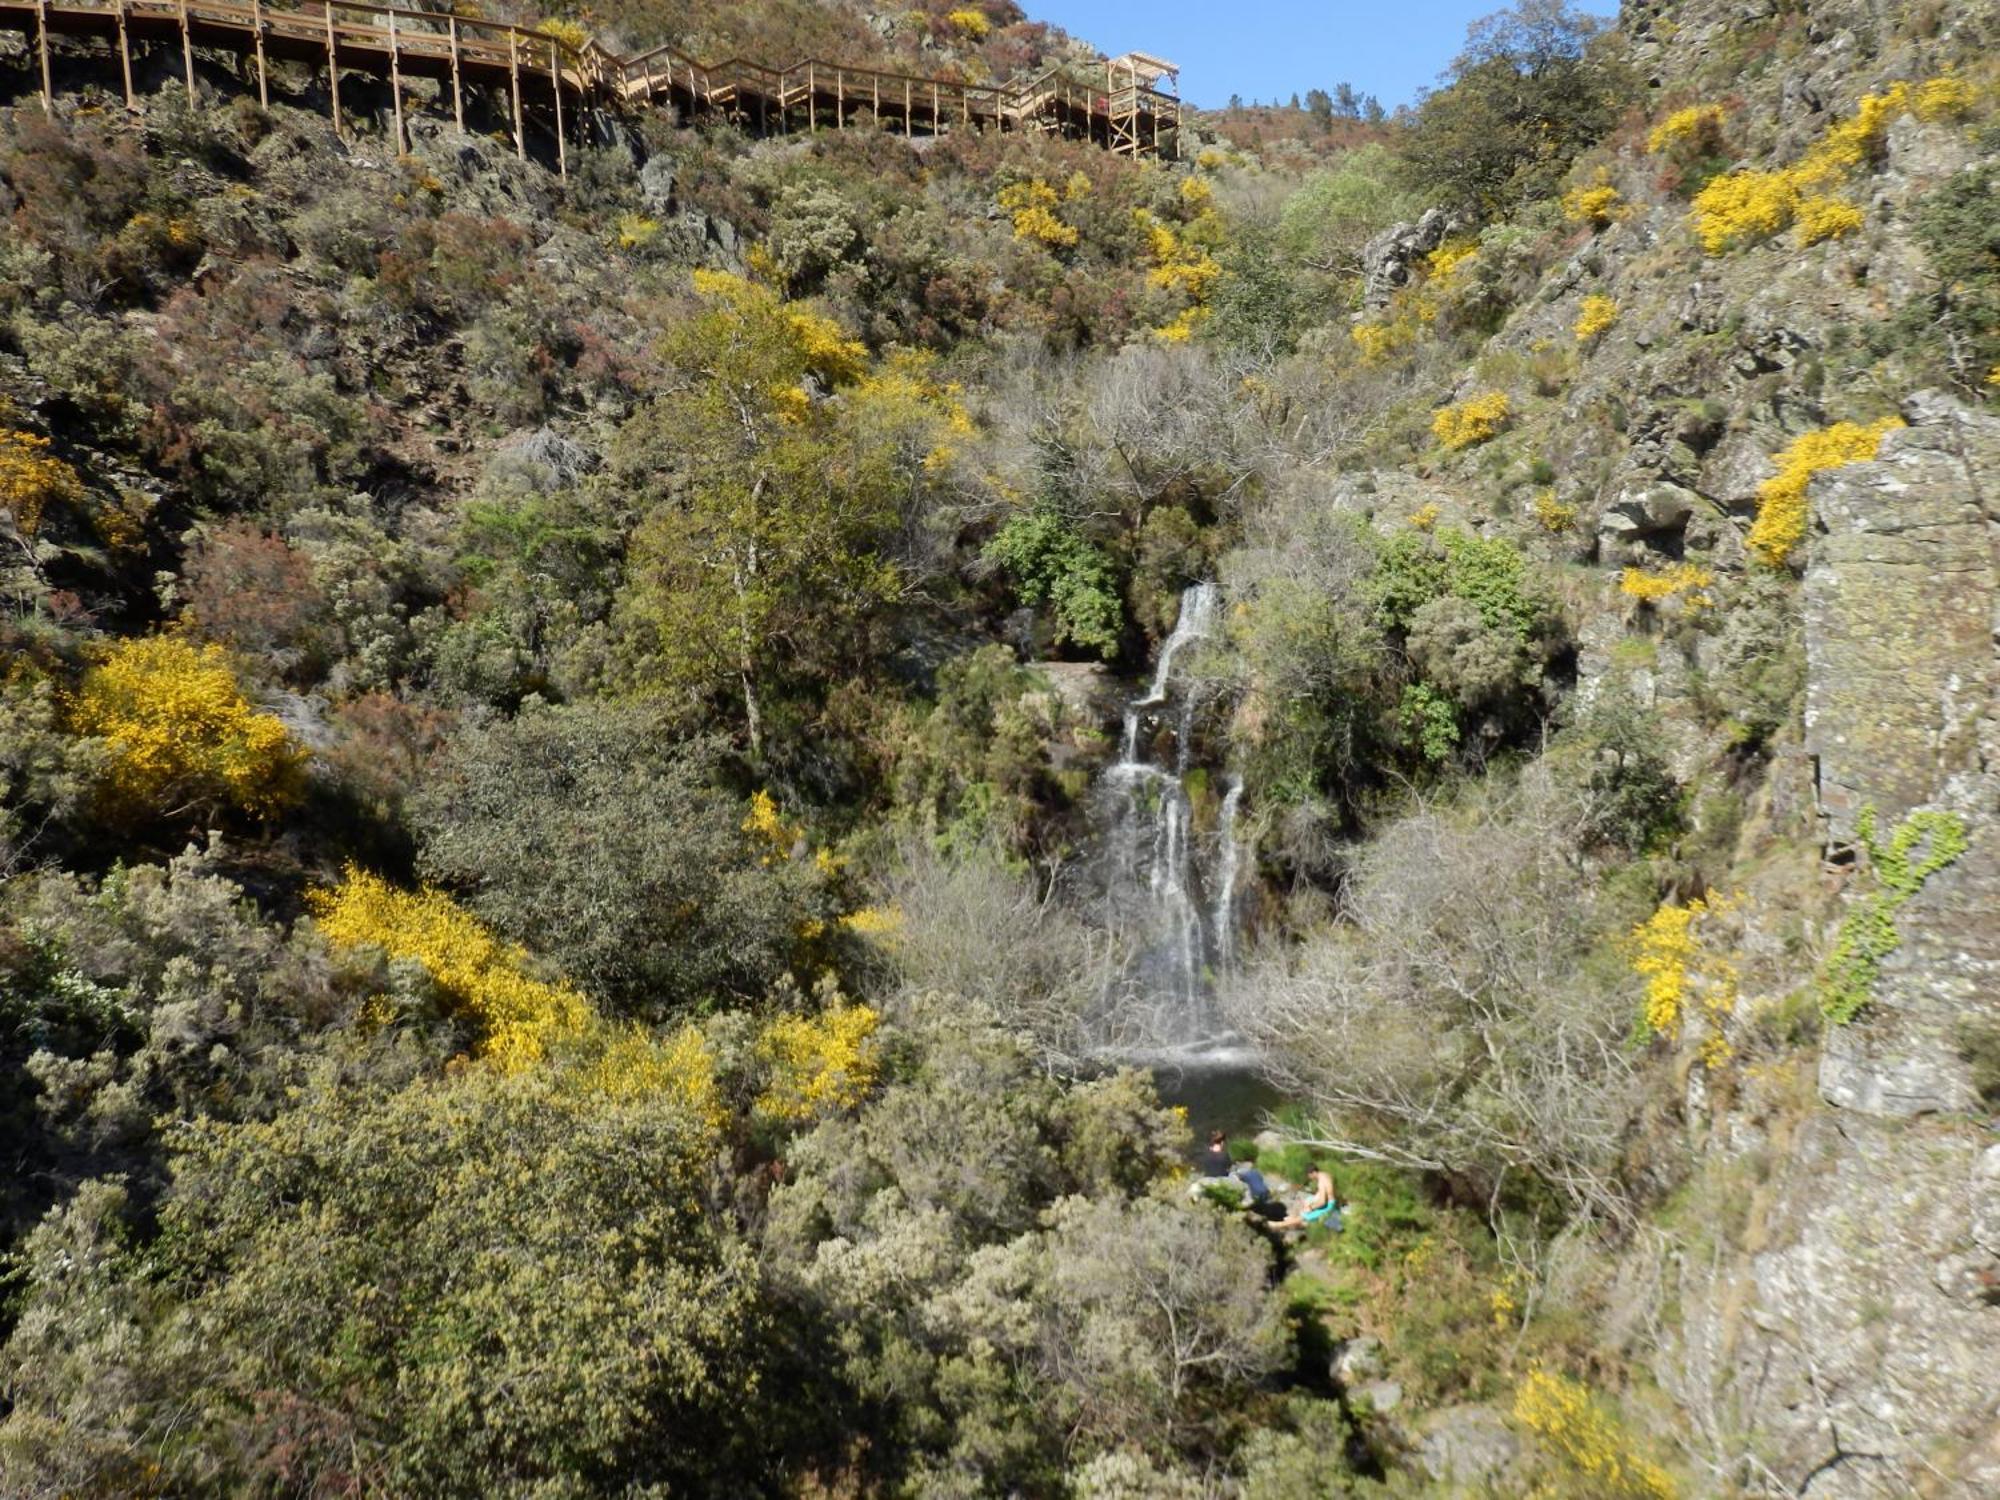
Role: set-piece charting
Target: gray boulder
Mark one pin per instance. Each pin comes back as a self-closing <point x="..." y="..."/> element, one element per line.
<point x="1387" y="259"/>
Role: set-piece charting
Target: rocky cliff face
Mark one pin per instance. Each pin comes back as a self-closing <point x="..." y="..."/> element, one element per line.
<point x="1854" y="1327"/>
<point x="1825" y="1304"/>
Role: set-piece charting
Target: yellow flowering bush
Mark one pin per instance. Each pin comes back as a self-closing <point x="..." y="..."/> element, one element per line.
<point x="1034" y="204"/>
<point x="1425" y="516"/>
<point x="568" y="33"/>
<point x="1471" y="421"/>
<point x="818" y="1064"/>
<point x="1743" y="207"/>
<point x="1695" y="131"/>
<point x="768" y="830"/>
<point x="1596" y="204"/>
<point x="1551" y="514"/>
<point x="819" y="341"/>
<point x="182" y="736"/>
<point x="518" y="1016"/>
<point x="1781" y="500"/>
<point x="1656" y="585"/>
<point x="631" y="1063"/>
<point x="1182" y="258"/>
<point x="1596" y="314"/>
<point x="31" y="479"/>
<point x="973" y="23"/>
<point x="1945" y="98"/>
<point x="1585" y="1439"/>
<point x="636" y="231"/>
<point x="1377" y="341"/>
<point x="1675" y="953"/>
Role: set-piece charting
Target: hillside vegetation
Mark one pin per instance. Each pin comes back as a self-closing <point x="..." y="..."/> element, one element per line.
<point x="551" y="937"/>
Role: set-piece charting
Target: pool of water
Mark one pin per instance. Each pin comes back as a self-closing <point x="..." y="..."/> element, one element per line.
<point x="1226" y="1094"/>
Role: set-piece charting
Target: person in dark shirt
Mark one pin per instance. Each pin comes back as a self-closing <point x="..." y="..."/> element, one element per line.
<point x="1215" y="1160"/>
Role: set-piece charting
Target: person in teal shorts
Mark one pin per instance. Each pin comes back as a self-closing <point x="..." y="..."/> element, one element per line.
<point x="1323" y="1207"/>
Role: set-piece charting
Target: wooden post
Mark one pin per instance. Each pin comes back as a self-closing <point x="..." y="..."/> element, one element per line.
<point x="42" y="43"/>
<point x="812" y="98"/>
<point x="333" y="73"/>
<point x="907" y="129"/>
<point x="457" y="95"/>
<point x="878" y="100"/>
<point x="187" y="51"/>
<point x="555" y="78"/>
<point x="263" y="82"/>
<point x="396" y="85"/>
<point x="125" y="59"/>
<point x="514" y="74"/>
<point x="840" y="95"/>
<point x="937" y="117"/>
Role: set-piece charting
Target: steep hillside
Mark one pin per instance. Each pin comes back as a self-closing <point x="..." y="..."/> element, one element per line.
<point x="596" y="772"/>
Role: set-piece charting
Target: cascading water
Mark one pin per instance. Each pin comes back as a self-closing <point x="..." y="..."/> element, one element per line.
<point x="1171" y="889"/>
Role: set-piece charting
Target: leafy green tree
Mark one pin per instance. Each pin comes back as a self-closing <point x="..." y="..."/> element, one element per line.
<point x="1324" y="224"/>
<point x="480" y="1285"/>
<point x="764" y="555"/>
<point x="1052" y="562"/>
<point x="591" y="836"/>
<point x="1531" y="90"/>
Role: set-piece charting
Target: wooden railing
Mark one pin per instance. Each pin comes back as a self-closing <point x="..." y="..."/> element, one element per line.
<point x="534" y="67"/>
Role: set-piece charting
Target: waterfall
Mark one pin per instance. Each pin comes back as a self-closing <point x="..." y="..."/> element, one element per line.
<point x="1172" y="890"/>
<point x="1224" y="920"/>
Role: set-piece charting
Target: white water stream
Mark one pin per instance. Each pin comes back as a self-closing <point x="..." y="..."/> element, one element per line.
<point x="1171" y="887"/>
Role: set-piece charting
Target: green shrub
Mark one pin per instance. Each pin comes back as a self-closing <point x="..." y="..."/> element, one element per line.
<point x="1050" y="561"/>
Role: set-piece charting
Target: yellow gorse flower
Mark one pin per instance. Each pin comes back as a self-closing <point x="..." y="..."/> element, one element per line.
<point x="181" y="733"/>
<point x="1471" y="421"/>
<point x="818" y="1064"/>
<point x="1586" y="1440"/>
<point x="1781" y="500"/>
<point x="31" y="479"/>
<point x="1675" y="955"/>
<point x="519" y="1017"/>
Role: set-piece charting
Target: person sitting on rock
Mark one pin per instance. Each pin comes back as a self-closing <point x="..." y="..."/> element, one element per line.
<point x="1215" y="1160"/>
<point x="1323" y="1207"/>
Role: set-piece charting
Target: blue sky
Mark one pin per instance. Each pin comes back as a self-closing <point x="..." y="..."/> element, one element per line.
<point x="1265" y="49"/>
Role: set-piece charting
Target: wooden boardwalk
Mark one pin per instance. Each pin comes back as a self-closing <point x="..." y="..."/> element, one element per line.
<point x="1127" y="105"/>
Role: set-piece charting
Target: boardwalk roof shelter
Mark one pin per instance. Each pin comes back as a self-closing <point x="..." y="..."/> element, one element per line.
<point x="1133" y="114"/>
<point x="1142" y="104"/>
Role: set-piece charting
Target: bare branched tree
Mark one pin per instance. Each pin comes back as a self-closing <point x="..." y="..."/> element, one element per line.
<point x="974" y="927"/>
<point x="1443" y="1023"/>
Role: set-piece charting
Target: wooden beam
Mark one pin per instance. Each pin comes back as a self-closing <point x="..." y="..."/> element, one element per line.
<point x="907" y="128"/>
<point x="396" y="85"/>
<point x="333" y="73"/>
<point x="937" y="119"/>
<point x="125" y="59"/>
<point x="812" y="99"/>
<point x="187" y="51"/>
<point x="457" y="94"/>
<point x="840" y="95"/>
<point x="514" y="74"/>
<point x="42" y="45"/>
<point x="555" y="78"/>
<point x="263" y="82"/>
